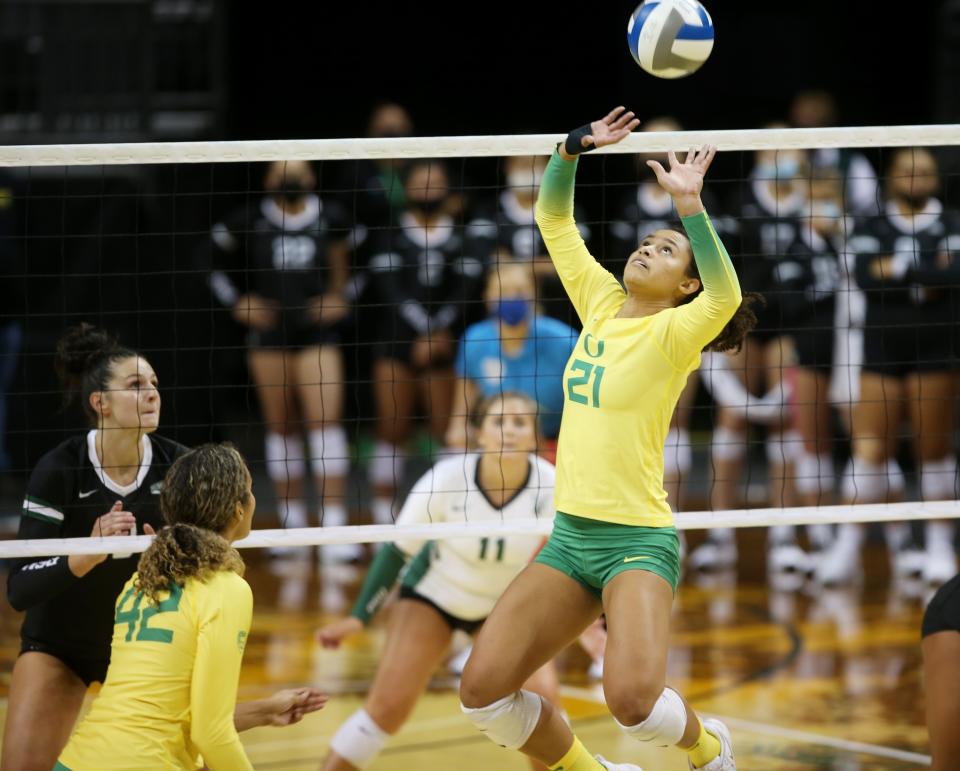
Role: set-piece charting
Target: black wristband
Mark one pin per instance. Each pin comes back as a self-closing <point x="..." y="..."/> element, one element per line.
<point x="573" y="144"/>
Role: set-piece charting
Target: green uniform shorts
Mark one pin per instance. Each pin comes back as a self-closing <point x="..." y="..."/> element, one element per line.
<point x="593" y="552"/>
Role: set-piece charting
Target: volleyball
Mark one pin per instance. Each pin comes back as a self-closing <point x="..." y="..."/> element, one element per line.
<point x="670" y="38"/>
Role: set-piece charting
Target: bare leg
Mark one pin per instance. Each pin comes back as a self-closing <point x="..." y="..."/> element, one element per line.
<point x="436" y="394"/>
<point x="637" y="605"/>
<point x="417" y="639"/>
<point x="941" y="676"/>
<point x="541" y="612"/>
<point x="394" y="389"/>
<point x="319" y="378"/>
<point x="45" y="700"/>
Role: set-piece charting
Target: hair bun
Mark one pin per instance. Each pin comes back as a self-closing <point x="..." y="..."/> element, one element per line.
<point x="81" y="349"/>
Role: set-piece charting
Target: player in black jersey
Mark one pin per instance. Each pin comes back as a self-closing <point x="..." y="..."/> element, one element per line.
<point x="941" y="674"/>
<point x="771" y="201"/>
<point x="426" y="273"/>
<point x="282" y="268"/>
<point x="810" y="277"/>
<point x="104" y="483"/>
<point x="907" y="264"/>
<point x="512" y="227"/>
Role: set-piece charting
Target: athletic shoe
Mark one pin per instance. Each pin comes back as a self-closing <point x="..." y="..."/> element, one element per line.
<point x="940" y="563"/>
<point x="724" y="761"/>
<point x="840" y="564"/>
<point x="714" y="554"/>
<point x="617" y="766"/>
<point x="340" y="553"/>
<point x="788" y="566"/>
<point x="908" y="563"/>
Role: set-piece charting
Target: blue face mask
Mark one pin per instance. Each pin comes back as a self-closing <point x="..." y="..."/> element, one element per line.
<point x="512" y="310"/>
<point x="825" y="209"/>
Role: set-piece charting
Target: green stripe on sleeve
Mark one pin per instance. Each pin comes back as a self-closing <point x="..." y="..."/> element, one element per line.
<point x="381" y="577"/>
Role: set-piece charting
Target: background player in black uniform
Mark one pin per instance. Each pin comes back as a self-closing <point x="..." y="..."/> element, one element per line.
<point x="518" y="238"/>
<point x="771" y="200"/>
<point x="941" y="674"/>
<point x="103" y="483"/>
<point x="426" y="274"/>
<point x="906" y="263"/>
<point x="283" y="270"/>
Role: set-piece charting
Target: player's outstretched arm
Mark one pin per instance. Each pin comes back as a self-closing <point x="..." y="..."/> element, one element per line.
<point x="585" y="282"/>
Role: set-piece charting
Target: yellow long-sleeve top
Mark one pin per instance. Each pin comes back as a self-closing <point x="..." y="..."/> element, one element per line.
<point x="171" y="690"/>
<point x="624" y="377"/>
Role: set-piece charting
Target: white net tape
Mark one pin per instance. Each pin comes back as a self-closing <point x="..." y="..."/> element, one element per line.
<point x="455" y="147"/>
<point x="313" y="536"/>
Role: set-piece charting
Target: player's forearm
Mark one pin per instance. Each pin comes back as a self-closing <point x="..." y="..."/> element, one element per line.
<point x="250" y="714"/>
<point x="716" y="270"/>
<point x="555" y="198"/>
<point x="381" y="577"/>
<point x="38" y="581"/>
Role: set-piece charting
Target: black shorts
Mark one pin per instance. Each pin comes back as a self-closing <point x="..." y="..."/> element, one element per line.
<point x="294" y="339"/>
<point x="401" y="350"/>
<point x="943" y="612"/>
<point x="770" y="323"/>
<point x="90" y="670"/>
<point x="409" y="593"/>
<point x="813" y="338"/>
<point x="899" y="350"/>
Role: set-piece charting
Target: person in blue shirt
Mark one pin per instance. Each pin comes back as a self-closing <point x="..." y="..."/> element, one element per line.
<point x="515" y="349"/>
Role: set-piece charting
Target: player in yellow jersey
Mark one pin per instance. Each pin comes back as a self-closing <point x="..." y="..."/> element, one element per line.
<point x="181" y="624"/>
<point x="613" y="548"/>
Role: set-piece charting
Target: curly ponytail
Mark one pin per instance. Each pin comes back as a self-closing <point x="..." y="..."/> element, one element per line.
<point x="199" y="501"/>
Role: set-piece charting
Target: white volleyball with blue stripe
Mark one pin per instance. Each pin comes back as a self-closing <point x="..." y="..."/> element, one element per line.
<point x="670" y="38"/>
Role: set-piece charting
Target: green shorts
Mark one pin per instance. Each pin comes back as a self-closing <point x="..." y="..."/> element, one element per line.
<point x="593" y="552"/>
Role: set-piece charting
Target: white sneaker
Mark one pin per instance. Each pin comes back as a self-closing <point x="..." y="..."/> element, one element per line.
<point x="908" y="563"/>
<point x="940" y="564"/>
<point x="617" y="766"/>
<point x="713" y="555"/>
<point x="340" y="553"/>
<point x="840" y="564"/>
<point x="788" y="566"/>
<point x="724" y="761"/>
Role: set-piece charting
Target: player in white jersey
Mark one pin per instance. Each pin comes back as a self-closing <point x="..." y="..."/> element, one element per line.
<point x="451" y="584"/>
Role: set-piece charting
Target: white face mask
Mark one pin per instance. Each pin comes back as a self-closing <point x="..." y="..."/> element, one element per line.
<point x="524" y="179"/>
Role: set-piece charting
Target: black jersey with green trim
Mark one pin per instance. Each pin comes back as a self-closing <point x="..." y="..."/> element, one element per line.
<point x="68" y="491"/>
<point x="922" y="269"/>
<point x="279" y="256"/>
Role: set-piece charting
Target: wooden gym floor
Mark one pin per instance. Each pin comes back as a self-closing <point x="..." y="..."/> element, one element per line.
<point x="805" y="680"/>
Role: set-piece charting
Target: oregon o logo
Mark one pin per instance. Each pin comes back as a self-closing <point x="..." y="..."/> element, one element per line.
<point x="586" y="347"/>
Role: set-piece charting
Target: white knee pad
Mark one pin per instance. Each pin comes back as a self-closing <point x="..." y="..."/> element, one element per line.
<point x="509" y="721"/>
<point x="359" y="740"/>
<point x="677" y="453"/>
<point x="813" y="474"/>
<point x="728" y="444"/>
<point x="938" y="479"/>
<point x="664" y="725"/>
<point x="329" y="453"/>
<point x="386" y="465"/>
<point x="285" y="459"/>
<point x="866" y="482"/>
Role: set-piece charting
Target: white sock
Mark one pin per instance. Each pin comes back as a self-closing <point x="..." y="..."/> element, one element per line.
<point x="333" y="515"/>
<point x="382" y="511"/>
<point x="292" y="513"/>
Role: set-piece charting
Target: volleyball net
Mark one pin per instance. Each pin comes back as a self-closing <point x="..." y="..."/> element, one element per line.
<point x="400" y="256"/>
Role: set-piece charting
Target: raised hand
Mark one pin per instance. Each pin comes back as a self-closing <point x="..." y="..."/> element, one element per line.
<point x="684" y="180"/>
<point x="613" y="127"/>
